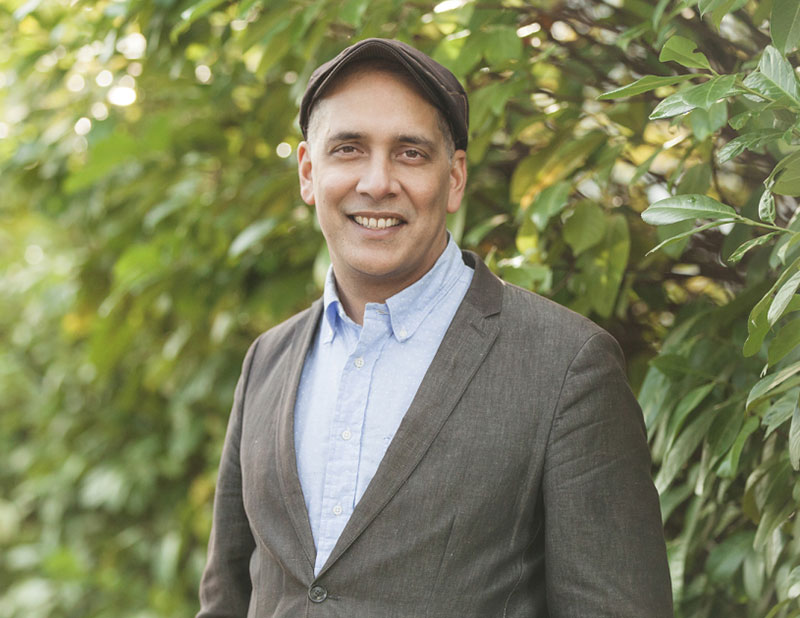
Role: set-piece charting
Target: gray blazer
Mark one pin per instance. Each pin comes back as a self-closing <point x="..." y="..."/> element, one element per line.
<point x="517" y="485"/>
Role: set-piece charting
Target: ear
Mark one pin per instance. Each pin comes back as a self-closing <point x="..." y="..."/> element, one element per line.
<point x="305" y="173"/>
<point x="458" y="180"/>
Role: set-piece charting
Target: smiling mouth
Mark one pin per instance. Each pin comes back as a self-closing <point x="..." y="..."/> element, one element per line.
<point x="375" y="223"/>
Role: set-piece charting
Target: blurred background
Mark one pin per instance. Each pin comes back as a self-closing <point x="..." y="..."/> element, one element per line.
<point x="151" y="227"/>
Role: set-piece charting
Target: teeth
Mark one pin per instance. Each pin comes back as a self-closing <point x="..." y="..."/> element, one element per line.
<point x="376" y="224"/>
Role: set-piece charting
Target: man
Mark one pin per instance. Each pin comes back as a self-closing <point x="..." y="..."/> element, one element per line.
<point x="425" y="440"/>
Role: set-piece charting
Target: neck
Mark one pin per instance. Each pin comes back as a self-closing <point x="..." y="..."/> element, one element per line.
<point x="356" y="289"/>
<point x="354" y="298"/>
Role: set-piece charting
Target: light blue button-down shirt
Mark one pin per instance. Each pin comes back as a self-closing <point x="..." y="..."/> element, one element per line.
<point x="358" y="382"/>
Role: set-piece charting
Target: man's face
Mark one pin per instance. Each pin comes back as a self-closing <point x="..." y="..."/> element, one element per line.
<point x="377" y="169"/>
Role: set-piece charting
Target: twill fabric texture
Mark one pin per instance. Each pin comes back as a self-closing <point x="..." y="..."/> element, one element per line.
<point x="517" y="484"/>
<point x="358" y="382"/>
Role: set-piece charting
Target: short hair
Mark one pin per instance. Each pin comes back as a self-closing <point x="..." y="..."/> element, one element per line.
<point x="386" y="66"/>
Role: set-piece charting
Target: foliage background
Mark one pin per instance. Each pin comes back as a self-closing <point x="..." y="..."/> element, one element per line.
<point x="150" y="228"/>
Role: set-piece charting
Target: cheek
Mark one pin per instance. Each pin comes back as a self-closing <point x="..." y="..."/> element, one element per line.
<point x="329" y="188"/>
<point x="433" y="195"/>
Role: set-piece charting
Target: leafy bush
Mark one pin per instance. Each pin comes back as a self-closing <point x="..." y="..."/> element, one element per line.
<point x="151" y="227"/>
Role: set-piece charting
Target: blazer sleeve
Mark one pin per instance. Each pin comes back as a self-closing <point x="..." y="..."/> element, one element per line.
<point x="604" y="544"/>
<point x="225" y="586"/>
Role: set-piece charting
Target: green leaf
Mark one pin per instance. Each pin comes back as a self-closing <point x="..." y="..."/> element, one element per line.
<point x="104" y="156"/>
<point x="251" y="236"/>
<point x="674" y="249"/>
<point x="645" y="84"/>
<point x="779" y="412"/>
<point x="631" y="34"/>
<point x="749" y="141"/>
<point x="792" y="585"/>
<point x="701" y="96"/>
<point x="537" y="277"/>
<point x="687" y="207"/>
<point x="697" y="179"/>
<point x="724" y="429"/>
<point x="757" y="326"/>
<point x="784" y="25"/>
<point x="555" y="164"/>
<point x="775" y="78"/>
<point x="757" y="322"/>
<point x="794" y="437"/>
<point x="766" y="207"/>
<point x="191" y="15"/>
<point x="352" y="12"/>
<point x="762" y="11"/>
<point x="683" y="448"/>
<point x="673" y="498"/>
<point x="321" y="263"/>
<point x="730" y="464"/>
<point x="787" y="245"/>
<point x="718" y="9"/>
<point x="138" y="267"/>
<point x="778" y="505"/>
<point x="501" y="44"/>
<point x="550" y="202"/>
<point x="705" y="123"/>
<point x="739" y="253"/>
<point x="659" y="12"/>
<point x="682" y="235"/>
<point x="644" y="167"/>
<point x="585" y="227"/>
<point x="682" y="51"/>
<point x="726" y="558"/>
<point x="773" y="384"/>
<point x="787" y="181"/>
<point x="741" y="119"/>
<point x="603" y="267"/>
<point x="673" y="365"/>
<point x="785" y="340"/>
<point x="782" y="298"/>
<point x="791" y="161"/>
<point x="490" y="101"/>
<point x="685" y="406"/>
<point x="479" y="232"/>
<point x="753" y="574"/>
<point x="527" y="239"/>
<point x="460" y="55"/>
<point x="775" y="609"/>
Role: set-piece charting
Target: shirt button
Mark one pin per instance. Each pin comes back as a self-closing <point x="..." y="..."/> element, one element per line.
<point x="346" y="435"/>
<point x="402" y="332"/>
<point x="359" y="362"/>
<point x="337" y="510"/>
<point x="317" y="594"/>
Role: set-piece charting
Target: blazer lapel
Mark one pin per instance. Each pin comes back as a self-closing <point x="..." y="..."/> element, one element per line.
<point x="463" y="349"/>
<point x="287" y="459"/>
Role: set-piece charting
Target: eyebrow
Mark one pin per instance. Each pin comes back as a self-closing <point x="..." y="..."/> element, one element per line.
<point x="417" y="140"/>
<point x="343" y="136"/>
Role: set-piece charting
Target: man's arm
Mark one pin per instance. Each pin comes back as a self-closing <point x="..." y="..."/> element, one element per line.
<point x="225" y="587"/>
<point x="604" y="542"/>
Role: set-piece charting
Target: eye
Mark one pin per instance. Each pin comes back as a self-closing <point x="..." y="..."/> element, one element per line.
<point x="413" y="154"/>
<point x="345" y="149"/>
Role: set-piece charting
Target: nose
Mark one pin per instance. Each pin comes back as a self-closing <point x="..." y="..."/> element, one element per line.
<point x="377" y="179"/>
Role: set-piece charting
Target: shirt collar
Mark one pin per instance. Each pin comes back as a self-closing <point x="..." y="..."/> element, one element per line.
<point x="409" y="307"/>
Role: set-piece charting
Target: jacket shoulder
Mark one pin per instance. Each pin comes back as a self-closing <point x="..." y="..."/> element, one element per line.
<point x="529" y="315"/>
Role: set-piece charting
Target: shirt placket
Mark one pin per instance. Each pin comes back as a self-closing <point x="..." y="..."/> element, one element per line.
<point x="341" y="471"/>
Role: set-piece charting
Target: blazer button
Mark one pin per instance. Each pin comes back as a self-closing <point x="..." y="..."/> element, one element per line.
<point x="317" y="594"/>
